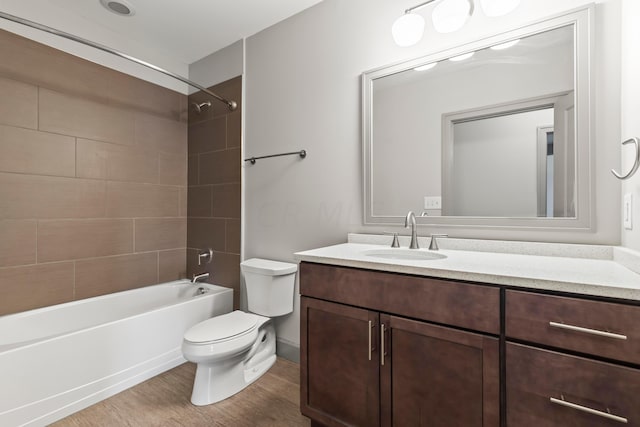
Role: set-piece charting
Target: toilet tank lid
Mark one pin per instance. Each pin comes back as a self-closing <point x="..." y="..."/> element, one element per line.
<point x="268" y="267"/>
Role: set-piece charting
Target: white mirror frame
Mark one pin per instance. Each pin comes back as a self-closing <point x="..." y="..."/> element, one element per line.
<point x="583" y="20"/>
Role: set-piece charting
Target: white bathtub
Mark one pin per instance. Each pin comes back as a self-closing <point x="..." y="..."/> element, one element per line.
<point x="57" y="360"/>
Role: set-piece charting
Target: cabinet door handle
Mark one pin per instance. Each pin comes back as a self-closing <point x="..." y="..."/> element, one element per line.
<point x="382" y="353"/>
<point x="587" y="330"/>
<point x="607" y="415"/>
<point x="370" y="326"/>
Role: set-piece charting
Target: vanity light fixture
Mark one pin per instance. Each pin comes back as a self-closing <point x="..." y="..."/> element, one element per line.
<point x="448" y="16"/>
<point x="451" y="15"/>
<point x="461" y="57"/>
<point x="425" y="67"/>
<point x="408" y="29"/>
<point x="506" y="45"/>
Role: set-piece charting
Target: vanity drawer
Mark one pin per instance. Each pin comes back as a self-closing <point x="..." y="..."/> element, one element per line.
<point x="601" y="328"/>
<point x="545" y="388"/>
<point x="469" y="306"/>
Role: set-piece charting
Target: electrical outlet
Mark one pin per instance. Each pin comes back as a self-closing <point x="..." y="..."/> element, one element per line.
<point x="433" y="202"/>
<point x="627" y="211"/>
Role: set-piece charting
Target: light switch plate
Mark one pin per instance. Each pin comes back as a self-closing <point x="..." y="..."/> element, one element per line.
<point x="627" y="211"/>
<point x="433" y="202"/>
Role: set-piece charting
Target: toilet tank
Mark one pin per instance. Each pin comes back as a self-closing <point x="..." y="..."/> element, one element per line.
<point x="269" y="285"/>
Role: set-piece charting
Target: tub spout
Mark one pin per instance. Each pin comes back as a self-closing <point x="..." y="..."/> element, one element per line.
<point x="199" y="277"/>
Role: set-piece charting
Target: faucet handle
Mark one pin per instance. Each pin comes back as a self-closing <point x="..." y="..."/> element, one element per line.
<point x="206" y="254"/>
<point x="395" y="243"/>
<point x="433" y="246"/>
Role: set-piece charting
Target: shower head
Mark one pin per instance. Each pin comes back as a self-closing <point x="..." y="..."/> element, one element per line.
<point x="199" y="107"/>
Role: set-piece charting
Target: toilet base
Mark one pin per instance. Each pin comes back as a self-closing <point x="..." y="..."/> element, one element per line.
<point x="217" y="381"/>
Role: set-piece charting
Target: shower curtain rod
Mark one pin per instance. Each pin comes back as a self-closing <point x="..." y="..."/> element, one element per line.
<point x="232" y="105"/>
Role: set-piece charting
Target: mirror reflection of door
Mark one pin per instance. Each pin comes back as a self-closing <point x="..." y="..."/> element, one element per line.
<point x="545" y="171"/>
<point x="564" y="157"/>
<point x="495" y="169"/>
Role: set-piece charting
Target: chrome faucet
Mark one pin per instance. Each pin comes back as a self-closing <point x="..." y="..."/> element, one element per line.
<point x="410" y="220"/>
<point x="199" y="277"/>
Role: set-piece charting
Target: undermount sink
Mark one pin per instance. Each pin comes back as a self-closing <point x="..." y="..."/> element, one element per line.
<point x="404" y="254"/>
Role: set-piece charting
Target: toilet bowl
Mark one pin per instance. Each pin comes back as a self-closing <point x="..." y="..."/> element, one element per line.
<point x="233" y="350"/>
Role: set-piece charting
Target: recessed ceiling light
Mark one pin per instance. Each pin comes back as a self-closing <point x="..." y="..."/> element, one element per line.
<point x="119" y="7"/>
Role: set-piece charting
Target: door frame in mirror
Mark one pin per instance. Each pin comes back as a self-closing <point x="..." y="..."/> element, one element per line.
<point x="492" y="111"/>
<point x="582" y="20"/>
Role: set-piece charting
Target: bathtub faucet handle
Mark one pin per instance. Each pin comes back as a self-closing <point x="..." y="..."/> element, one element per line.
<point x="199" y="277"/>
<point x="206" y="255"/>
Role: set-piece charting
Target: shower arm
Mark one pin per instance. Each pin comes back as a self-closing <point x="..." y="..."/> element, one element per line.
<point x="231" y="105"/>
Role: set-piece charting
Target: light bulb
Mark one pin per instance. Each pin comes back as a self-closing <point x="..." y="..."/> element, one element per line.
<point x="408" y="29"/>
<point x="451" y="15"/>
<point x="425" y="67"/>
<point x="506" y="45"/>
<point x="498" y="7"/>
<point x="462" y="57"/>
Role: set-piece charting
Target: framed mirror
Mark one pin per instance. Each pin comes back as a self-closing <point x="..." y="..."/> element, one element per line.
<point x="493" y="133"/>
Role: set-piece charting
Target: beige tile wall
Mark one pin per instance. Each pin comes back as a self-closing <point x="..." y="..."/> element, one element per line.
<point x="214" y="187"/>
<point x="93" y="179"/>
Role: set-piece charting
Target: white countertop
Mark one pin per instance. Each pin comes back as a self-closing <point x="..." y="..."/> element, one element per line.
<point x="589" y="270"/>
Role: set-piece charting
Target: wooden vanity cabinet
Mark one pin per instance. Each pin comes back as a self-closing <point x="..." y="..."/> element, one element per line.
<point x="364" y="363"/>
<point x="548" y="388"/>
<point x="387" y="349"/>
<point x="437" y="376"/>
<point x="560" y="389"/>
<point x="604" y="329"/>
<point x="339" y="377"/>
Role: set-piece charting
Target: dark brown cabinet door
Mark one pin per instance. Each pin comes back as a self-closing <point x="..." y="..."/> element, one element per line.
<point x="551" y="389"/>
<point x="339" y="364"/>
<point x="438" y="377"/>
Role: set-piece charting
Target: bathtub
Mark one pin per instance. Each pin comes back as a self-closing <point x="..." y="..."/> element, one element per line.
<point x="57" y="360"/>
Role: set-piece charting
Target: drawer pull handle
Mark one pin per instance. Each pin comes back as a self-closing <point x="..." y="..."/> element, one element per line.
<point x="588" y="410"/>
<point x="588" y="331"/>
<point x="382" y="351"/>
<point x="370" y="326"/>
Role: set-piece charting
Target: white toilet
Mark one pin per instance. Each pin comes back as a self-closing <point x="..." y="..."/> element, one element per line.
<point x="235" y="349"/>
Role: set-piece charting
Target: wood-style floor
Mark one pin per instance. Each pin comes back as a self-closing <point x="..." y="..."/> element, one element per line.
<point x="273" y="400"/>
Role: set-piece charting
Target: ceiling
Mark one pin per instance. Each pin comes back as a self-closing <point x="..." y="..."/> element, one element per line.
<point x="183" y="30"/>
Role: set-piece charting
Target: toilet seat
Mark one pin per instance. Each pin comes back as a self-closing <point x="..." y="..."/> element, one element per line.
<point x="226" y="327"/>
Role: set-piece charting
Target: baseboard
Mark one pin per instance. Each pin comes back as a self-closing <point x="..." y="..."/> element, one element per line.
<point x="288" y="350"/>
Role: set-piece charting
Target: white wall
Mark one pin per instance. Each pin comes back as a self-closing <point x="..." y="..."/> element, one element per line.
<point x="303" y="92"/>
<point x="630" y="112"/>
<point x="218" y="67"/>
